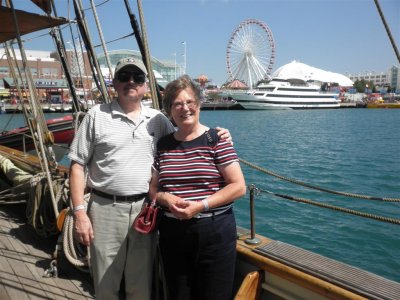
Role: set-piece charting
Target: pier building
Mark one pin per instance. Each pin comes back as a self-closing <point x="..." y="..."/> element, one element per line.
<point x="49" y="76"/>
<point x="390" y="78"/>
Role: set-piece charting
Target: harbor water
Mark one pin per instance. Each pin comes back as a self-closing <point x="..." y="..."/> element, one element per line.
<point x="347" y="150"/>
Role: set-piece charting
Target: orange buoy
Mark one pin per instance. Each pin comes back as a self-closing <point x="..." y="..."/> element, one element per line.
<point x="61" y="218"/>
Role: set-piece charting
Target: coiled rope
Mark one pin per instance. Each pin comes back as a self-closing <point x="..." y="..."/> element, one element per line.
<point x="366" y="197"/>
<point x="40" y="207"/>
<point x="75" y="253"/>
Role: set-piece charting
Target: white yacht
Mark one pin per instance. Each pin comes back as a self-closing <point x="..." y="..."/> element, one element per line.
<point x="286" y="94"/>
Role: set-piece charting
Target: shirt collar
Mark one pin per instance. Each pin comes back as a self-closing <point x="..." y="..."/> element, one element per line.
<point x="117" y="110"/>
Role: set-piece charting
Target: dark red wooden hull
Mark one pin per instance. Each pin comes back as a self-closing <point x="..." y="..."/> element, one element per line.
<point x="62" y="129"/>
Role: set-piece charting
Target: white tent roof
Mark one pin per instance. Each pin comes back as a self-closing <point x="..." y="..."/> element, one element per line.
<point x="305" y="72"/>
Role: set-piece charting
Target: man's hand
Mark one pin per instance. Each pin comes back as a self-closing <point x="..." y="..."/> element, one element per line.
<point x="224" y="134"/>
<point x="83" y="230"/>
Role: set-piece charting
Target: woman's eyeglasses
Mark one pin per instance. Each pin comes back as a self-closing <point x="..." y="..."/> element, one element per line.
<point x="126" y="76"/>
<point x="179" y="105"/>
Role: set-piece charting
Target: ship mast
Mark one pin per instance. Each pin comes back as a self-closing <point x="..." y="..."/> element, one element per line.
<point x="396" y="51"/>
<point x="43" y="139"/>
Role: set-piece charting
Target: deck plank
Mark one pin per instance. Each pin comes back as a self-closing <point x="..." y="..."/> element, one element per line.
<point x="13" y="287"/>
<point x="3" y="292"/>
<point x="24" y="257"/>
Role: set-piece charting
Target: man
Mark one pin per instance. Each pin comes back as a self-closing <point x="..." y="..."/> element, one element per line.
<point x="116" y="144"/>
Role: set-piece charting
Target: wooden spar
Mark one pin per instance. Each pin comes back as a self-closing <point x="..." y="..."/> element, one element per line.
<point x="138" y="36"/>
<point x="94" y="64"/>
<point x="42" y="137"/>
<point x="155" y="93"/>
<point x="59" y="41"/>
<point x="62" y="55"/>
<point x="396" y="51"/>
<point x="103" y="44"/>
<point x="11" y="58"/>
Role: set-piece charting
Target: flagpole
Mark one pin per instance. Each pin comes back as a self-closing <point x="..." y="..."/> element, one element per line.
<point x="175" y="64"/>
<point x="184" y="57"/>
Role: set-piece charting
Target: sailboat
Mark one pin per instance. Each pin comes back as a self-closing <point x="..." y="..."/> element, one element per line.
<point x="36" y="180"/>
<point x="19" y="138"/>
<point x="270" y="269"/>
<point x="62" y="128"/>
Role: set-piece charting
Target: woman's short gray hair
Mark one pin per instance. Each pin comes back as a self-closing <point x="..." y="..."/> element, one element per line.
<point x="176" y="86"/>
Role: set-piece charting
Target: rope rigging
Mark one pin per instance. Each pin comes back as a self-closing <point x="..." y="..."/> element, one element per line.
<point x="366" y="197"/>
<point x="115" y="40"/>
<point x="332" y="207"/>
<point x="323" y="205"/>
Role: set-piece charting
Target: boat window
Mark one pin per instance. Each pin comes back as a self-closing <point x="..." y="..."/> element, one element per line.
<point x="297" y="90"/>
<point x="269" y="89"/>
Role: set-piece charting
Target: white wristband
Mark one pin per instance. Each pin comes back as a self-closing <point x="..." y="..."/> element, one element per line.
<point x="205" y="203"/>
<point x="78" y="207"/>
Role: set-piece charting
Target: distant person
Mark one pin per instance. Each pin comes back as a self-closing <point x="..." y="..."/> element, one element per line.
<point x="196" y="178"/>
<point x="116" y="144"/>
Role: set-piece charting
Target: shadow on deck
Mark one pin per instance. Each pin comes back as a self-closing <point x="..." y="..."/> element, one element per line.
<point x="24" y="257"/>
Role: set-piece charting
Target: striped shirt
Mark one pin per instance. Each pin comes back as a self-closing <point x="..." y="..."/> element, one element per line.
<point x="190" y="169"/>
<point x="117" y="151"/>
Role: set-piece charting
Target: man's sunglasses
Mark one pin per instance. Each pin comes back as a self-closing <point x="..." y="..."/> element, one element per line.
<point x="126" y="76"/>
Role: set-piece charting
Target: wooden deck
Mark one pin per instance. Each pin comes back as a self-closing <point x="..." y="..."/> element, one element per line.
<point x="24" y="257"/>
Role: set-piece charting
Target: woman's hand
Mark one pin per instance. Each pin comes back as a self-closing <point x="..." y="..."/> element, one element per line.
<point x="185" y="210"/>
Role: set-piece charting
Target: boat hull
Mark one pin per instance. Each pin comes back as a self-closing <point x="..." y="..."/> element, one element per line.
<point x="286" y="94"/>
<point x="63" y="133"/>
<point x="290" y="272"/>
<point x="383" y="105"/>
<point x="251" y="101"/>
<point x="62" y="129"/>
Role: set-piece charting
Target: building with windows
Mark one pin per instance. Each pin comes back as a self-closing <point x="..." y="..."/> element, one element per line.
<point x="41" y="64"/>
<point x="394" y="79"/>
<point x="168" y="70"/>
<point x="382" y="80"/>
<point x="49" y="77"/>
<point x="46" y="71"/>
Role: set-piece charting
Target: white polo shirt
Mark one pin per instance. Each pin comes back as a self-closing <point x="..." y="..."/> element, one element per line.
<point x="117" y="151"/>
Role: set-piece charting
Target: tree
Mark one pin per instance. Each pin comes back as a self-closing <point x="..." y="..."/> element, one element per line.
<point x="361" y="85"/>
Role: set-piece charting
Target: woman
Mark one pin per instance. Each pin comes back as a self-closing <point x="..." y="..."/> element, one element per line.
<point x="196" y="178"/>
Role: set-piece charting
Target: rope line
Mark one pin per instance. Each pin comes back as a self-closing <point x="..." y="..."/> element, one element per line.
<point x="365" y="197"/>
<point x="332" y="207"/>
<point x="115" y="40"/>
<point x="73" y="251"/>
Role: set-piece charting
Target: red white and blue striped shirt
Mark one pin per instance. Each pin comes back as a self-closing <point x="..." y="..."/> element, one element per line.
<point x="189" y="169"/>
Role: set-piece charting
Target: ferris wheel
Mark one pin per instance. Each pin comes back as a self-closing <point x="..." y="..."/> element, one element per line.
<point x="250" y="54"/>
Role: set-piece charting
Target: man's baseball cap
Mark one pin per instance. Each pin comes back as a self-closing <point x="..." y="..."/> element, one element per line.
<point x="130" y="61"/>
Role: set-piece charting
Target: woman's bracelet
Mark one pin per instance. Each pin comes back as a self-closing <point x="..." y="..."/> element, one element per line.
<point x="78" y="207"/>
<point x="205" y="203"/>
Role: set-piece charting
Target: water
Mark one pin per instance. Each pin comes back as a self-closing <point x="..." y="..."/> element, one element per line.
<point x="352" y="150"/>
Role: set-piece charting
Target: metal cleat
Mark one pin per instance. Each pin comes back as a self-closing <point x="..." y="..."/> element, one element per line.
<point x="52" y="271"/>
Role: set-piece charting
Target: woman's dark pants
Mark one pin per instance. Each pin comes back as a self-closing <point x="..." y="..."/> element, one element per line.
<point x="199" y="256"/>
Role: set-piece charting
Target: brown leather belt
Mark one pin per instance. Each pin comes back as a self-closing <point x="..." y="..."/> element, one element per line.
<point x="131" y="198"/>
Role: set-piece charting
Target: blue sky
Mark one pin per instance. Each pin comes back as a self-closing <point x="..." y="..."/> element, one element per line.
<point x="343" y="36"/>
